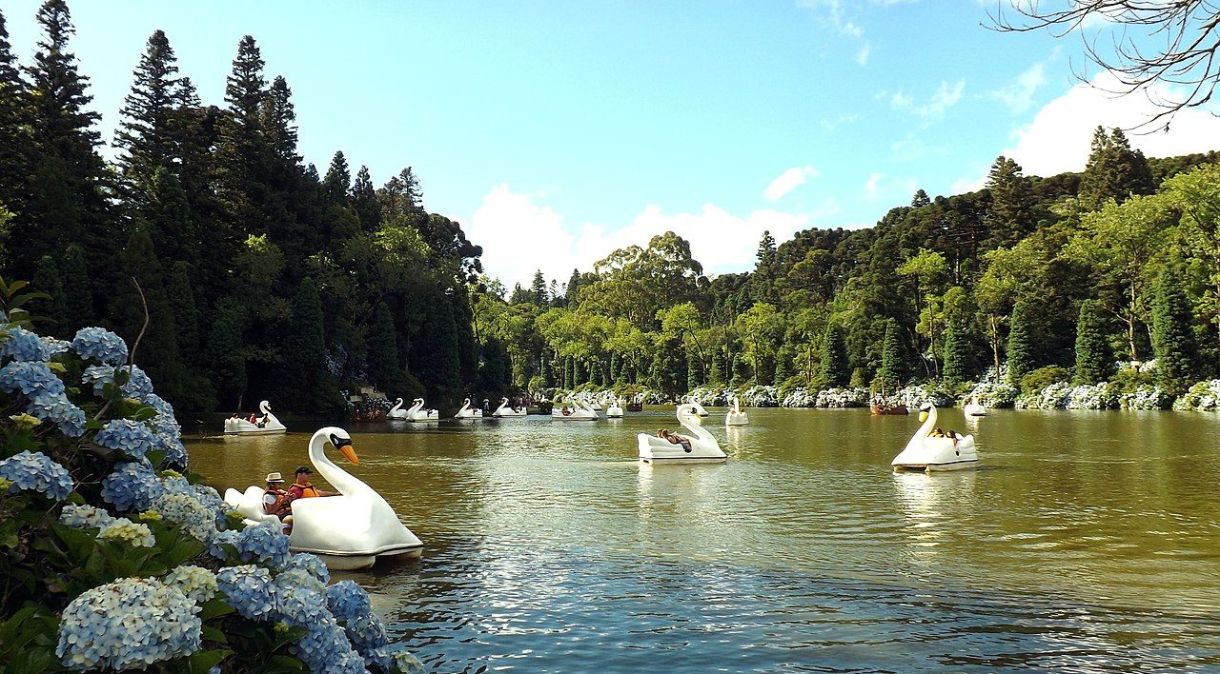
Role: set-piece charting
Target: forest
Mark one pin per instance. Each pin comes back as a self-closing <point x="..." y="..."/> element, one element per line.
<point x="266" y="278"/>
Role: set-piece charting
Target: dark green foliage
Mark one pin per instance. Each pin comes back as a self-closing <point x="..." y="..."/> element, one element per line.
<point x="55" y="310"/>
<point x="835" y="370"/>
<point x="16" y="144"/>
<point x="1033" y="382"/>
<point x="1093" y="357"/>
<point x="434" y="357"/>
<point x="960" y="350"/>
<point x="580" y="372"/>
<point x="384" y="364"/>
<point x="1173" y="339"/>
<point x="1114" y="170"/>
<point x="694" y="371"/>
<point x="158" y="348"/>
<point x="495" y="374"/>
<point x="741" y="370"/>
<point x="538" y="289"/>
<point x="783" y="368"/>
<point x="894" y="362"/>
<point x="1011" y="216"/>
<point x="149" y="127"/>
<point x="569" y="373"/>
<point x="1021" y="342"/>
<point x="668" y="371"/>
<point x="226" y="354"/>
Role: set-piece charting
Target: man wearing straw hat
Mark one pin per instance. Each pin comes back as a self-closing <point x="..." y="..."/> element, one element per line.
<point x="276" y="501"/>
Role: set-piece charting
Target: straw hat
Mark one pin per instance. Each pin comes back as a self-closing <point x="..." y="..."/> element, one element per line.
<point x="274" y="477"/>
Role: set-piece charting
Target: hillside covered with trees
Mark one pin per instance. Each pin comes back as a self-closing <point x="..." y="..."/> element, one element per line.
<point x="266" y="278"/>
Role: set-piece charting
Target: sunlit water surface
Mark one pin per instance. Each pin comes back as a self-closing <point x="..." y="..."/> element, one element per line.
<point x="1086" y="542"/>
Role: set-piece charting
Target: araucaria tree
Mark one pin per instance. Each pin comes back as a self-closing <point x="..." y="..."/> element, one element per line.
<point x="1092" y="352"/>
<point x="1173" y="340"/>
<point x="1020" y="342"/>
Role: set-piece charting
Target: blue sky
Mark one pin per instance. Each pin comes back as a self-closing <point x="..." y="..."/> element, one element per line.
<point x="557" y="131"/>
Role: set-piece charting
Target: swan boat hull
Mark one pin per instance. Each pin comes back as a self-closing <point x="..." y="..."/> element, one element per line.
<point x="973" y="410"/>
<point x="247" y="428"/>
<point x="938" y="456"/>
<point x="737" y="420"/>
<point x="572" y="417"/>
<point x="659" y="451"/>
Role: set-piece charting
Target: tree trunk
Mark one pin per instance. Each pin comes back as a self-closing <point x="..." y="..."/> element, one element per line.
<point x="995" y="343"/>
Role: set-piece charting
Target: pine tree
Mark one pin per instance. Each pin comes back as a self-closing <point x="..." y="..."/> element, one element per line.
<point x="894" y="364"/>
<point x="182" y="305"/>
<point x="1173" y="338"/>
<point x="920" y="199"/>
<point x="1021" y="346"/>
<point x="1113" y="171"/>
<point x="67" y="200"/>
<point x="1092" y="350"/>
<point x="835" y="371"/>
<point x="694" y="371"/>
<point x="147" y="137"/>
<point x="225" y="352"/>
<point x="569" y="373"/>
<point x="580" y="372"/>
<point x="158" y="349"/>
<point x="78" y="287"/>
<point x="1011" y="216"/>
<point x="166" y="212"/>
<point x="278" y="121"/>
<point x="364" y="201"/>
<point x="715" y="373"/>
<point x="306" y="379"/>
<point x="741" y="370"/>
<point x="783" y="368"/>
<point x="763" y="279"/>
<point x="15" y="141"/>
<point x="959" y="353"/>
<point x="495" y="371"/>
<point x="242" y="155"/>
<point x="55" y="310"/>
<point x="538" y="289"/>
<point x="338" y="180"/>
<point x="385" y="367"/>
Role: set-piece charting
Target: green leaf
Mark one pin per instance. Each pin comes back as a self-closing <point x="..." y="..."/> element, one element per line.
<point x="202" y="661"/>
<point x="215" y="608"/>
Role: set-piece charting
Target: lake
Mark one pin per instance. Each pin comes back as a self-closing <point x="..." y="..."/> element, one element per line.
<point x="1085" y="542"/>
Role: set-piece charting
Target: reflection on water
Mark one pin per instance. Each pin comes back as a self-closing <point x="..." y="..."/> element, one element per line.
<point x="1086" y="542"/>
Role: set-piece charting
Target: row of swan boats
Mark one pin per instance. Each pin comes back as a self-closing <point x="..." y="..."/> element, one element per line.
<point x="355" y="528"/>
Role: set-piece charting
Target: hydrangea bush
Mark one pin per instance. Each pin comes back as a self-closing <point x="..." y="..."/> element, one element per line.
<point x="116" y="558"/>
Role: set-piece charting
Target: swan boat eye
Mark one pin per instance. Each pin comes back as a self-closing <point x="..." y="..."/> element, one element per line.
<point x="338" y="441"/>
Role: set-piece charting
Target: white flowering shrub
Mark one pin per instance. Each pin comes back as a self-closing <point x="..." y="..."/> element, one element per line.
<point x="114" y="556"/>
<point x="1203" y="396"/>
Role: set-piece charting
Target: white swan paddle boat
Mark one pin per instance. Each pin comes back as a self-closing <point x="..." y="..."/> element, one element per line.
<point x="266" y="424"/>
<point x="347" y="531"/>
<point x="699" y="446"/>
<point x="975" y="409"/>
<point x="397" y="413"/>
<point x="504" y="411"/>
<point x="735" y="416"/>
<point x="615" y="409"/>
<point x="576" y="409"/>
<point x="695" y="405"/>
<point x="928" y="453"/>
<point x="418" y="413"/>
<point x="468" y="412"/>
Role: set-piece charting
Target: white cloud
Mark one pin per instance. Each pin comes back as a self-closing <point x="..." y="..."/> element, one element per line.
<point x="1018" y="96"/>
<point x="520" y="235"/>
<point x="863" y="54"/>
<point x="788" y="181"/>
<point x="945" y="97"/>
<point x="872" y="186"/>
<point x="1058" y="138"/>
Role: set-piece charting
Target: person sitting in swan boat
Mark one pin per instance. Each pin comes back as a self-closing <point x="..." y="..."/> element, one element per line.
<point x="278" y="502"/>
<point x="674" y="438"/>
<point x="303" y="488"/>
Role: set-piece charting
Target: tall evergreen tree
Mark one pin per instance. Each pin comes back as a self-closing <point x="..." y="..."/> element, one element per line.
<point x="835" y="370"/>
<point x="1093" y="356"/>
<point x="694" y="371"/>
<point x="894" y="364"/>
<point x="67" y="192"/>
<point x="15" y="141"/>
<point x="182" y="305"/>
<point x="242" y="153"/>
<point x="1114" y="170"/>
<point x="959" y="353"/>
<point x="278" y="121"/>
<point x="364" y="201"/>
<point x="158" y="349"/>
<point x="538" y="289"/>
<point x="1011" y="216"/>
<point x="385" y="368"/>
<point x="920" y="199"/>
<point x="495" y="373"/>
<point x="55" y="309"/>
<point x="226" y="352"/>
<point x="569" y="373"/>
<point x="306" y="381"/>
<point x="338" y="179"/>
<point x="147" y="137"/>
<point x="1173" y="339"/>
<point x="1021" y="346"/>
<point x="78" y="287"/>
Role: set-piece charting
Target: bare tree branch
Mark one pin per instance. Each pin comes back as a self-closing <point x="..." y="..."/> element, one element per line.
<point x="1172" y="42"/>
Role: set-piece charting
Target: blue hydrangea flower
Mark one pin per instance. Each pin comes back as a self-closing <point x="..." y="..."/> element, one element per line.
<point x="299" y="606"/>
<point x="387" y="659"/>
<point x="84" y="517"/>
<point x="325" y="648"/>
<point x="174" y="483"/>
<point x="347" y="600"/>
<point x="184" y="510"/>
<point x="132" y="533"/>
<point x="197" y="583"/>
<point x="98" y="376"/>
<point x="138" y="385"/>
<point x="249" y="589"/>
<point x="100" y="345"/>
<point x="367" y="633"/>
<point x="23" y="345"/>
<point x="31" y="379"/>
<point x="133" y="438"/>
<point x="264" y="543"/>
<point x="128" y="624"/>
<point x="57" y="409"/>
<point x="175" y="451"/>
<point x="131" y="486"/>
<point x="299" y="578"/>
<point x="222" y="538"/>
<point x="310" y="564"/>
<point x="38" y="473"/>
<point x="54" y="346"/>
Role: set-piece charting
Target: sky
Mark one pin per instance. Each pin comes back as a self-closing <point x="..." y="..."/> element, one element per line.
<point x="556" y="131"/>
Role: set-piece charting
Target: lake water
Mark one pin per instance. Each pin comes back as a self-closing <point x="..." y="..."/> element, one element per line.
<point x="1085" y="542"/>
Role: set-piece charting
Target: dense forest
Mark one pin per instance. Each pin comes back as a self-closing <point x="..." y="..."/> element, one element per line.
<point x="1040" y="279"/>
<point x="263" y="277"/>
<point x="266" y="278"/>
